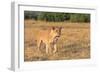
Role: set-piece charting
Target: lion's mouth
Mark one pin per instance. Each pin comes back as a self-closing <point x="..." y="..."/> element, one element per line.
<point x="57" y="36"/>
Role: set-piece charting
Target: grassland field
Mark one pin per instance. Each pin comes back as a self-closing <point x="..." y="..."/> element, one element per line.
<point x="74" y="42"/>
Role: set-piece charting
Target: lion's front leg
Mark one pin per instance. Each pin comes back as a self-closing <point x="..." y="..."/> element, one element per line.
<point x="38" y="44"/>
<point x="55" y="48"/>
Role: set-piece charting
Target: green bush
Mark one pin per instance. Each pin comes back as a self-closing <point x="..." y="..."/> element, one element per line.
<point x="79" y="17"/>
<point x="56" y="17"/>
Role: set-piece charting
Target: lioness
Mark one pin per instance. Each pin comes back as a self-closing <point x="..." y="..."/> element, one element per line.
<point x="49" y="37"/>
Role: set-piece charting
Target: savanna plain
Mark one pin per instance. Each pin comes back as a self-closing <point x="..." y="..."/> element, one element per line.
<point x="74" y="42"/>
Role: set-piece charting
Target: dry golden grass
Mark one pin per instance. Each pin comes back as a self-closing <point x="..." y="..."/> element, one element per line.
<point x="74" y="42"/>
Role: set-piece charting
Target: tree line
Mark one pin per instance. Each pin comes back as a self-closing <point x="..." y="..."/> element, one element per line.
<point x="57" y="16"/>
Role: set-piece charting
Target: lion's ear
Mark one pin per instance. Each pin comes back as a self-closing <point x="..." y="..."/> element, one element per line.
<point x="53" y="28"/>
